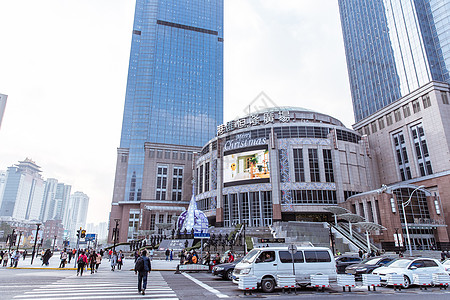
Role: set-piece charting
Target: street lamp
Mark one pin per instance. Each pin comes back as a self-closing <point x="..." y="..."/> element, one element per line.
<point x="11" y="241"/>
<point x="20" y="237"/>
<point x="404" y="204"/>
<point x="35" y="241"/>
<point x="54" y="243"/>
<point x="115" y="233"/>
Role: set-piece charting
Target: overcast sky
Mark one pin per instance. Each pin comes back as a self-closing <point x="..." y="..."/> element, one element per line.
<point x="63" y="65"/>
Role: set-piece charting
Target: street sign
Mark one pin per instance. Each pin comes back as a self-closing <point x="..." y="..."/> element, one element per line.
<point x="202" y="235"/>
<point x="292" y="249"/>
<point x="271" y="240"/>
<point x="90" y="237"/>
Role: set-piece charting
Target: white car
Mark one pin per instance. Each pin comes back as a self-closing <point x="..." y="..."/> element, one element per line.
<point x="446" y="265"/>
<point x="408" y="267"/>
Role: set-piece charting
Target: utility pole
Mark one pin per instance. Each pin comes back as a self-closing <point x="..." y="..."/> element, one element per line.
<point x="78" y="244"/>
<point x="35" y="241"/>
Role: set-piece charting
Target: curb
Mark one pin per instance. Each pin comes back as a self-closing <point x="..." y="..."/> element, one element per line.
<point x="31" y="268"/>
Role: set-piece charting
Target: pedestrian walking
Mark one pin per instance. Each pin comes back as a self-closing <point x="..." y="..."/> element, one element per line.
<point x="69" y="255"/>
<point x="15" y="259"/>
<point x="63" y="258"/>
<point x="110" y="252"/>
<point x="136" y="255"/>
<point x="167" y="254"/>
<point x="142" y="268"/>
<point x="152" y="252"/>
<point x="5" y="259"/>
<point x="92" y="261"/>
<point x="24" y="254"/>
<point x="98" y="261"/>
<point x="82" y="261"/>
<point x="1" y="257"/>
<point x="46" y="257"/>
<point x="171" y="254"/>
<point x="113" y="260"/>
<point x="120" y="258"/>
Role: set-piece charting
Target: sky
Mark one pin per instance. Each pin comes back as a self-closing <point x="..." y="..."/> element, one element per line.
<point x="63" y="65"/>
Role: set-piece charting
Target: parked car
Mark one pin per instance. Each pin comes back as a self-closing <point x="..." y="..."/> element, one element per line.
<point x="225" y="270"/>
<point x="408" y="267"/>
<point x="368" y="265"/>
<point x="266" y="263"/>
<point x="446" y="265"/>
<point x="344" y="261"/>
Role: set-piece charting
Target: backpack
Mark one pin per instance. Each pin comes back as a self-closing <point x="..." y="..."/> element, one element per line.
<point x="80" y="259"/>
<point x="139" y="267"/>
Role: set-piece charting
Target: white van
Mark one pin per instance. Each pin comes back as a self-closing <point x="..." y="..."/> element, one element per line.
<point x="266" y="263"/>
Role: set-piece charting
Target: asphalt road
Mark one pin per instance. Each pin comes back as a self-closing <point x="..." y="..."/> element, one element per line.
<point x="64" y="284"/>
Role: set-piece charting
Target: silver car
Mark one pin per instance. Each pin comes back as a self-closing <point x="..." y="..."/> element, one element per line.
<point x="408" y="267"/>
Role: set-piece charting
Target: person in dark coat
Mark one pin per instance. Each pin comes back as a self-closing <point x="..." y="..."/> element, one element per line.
<point x="142" y="275"/>
<point x="46" y="257"/>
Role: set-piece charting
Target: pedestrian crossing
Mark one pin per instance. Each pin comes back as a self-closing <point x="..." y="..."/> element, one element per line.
<point x="102" y="285"/>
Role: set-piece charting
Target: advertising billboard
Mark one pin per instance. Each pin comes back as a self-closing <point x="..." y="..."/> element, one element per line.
<point x="246" y="167"/>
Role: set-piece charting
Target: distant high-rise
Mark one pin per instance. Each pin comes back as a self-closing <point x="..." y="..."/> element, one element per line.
<point x="393" y="47"/>
<point x="23" y="193"/>
<point x="2" y="185"/>
<point x="2" y="107"/>
<point x="175" y="79"/>
<point x="56" y="198"/>
<point x="76" y="213"/>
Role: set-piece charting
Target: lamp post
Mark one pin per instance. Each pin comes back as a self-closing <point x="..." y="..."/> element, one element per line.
<point x="35" y="241"/>
<point x="18" y="242"/>
<point x="115" y="233"/>
<point x="11" y="241"/>
<point x="404" y="204"/>
<point x="54" y="243"/>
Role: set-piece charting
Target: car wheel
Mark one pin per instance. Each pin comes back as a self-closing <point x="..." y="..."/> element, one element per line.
<point x="268" y="285"/>
<point x="406" y="281"/>
<point x="229" y="275"/>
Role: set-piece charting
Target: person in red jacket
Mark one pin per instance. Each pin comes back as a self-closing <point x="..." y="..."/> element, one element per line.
<point x="82" y="261"/>
<point x="230" y="257"/>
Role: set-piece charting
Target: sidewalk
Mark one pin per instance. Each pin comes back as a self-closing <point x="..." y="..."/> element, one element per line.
<point x="157" y="265"/>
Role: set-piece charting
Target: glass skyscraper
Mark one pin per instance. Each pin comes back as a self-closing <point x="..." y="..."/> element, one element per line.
<point x="174" y="91"/>
<point x="393" y="47"/>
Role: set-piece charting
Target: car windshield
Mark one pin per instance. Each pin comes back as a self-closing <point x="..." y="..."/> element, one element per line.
<point x="401" y="263"/>
<point x="447" y="262"/>
<point x="251" y="256"/>
<point x="372" y="261"/>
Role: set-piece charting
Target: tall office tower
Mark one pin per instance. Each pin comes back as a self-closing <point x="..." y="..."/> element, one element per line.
<point x="174" y="92"/>
<point x="393" y="47"/>
<point x="56" y="198"/>
<point x="175" y="79"/>
<point x="77" y="209"/>
<point x="24" y="190"/>
<point x="2" y="107"/>
<point x="2" y="185"/>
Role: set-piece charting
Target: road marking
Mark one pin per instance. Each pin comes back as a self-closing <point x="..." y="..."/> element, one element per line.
<point x="205" y="286"/>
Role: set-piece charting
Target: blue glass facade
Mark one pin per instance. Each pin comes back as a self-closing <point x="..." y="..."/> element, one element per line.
<point x="393" y="47"/>
<point x="174" y="91"/>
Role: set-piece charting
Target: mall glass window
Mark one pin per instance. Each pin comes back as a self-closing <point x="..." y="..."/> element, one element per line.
<point x="402" y="156"/>
<point x="226" y="211"/>
<point x="417" y="211"/>
<point x="421" y="148"/>
<point x="373" y="126"/>
<point x="245" y="208"/>
<point x="426" y="101"/>
<point x="397" y="115"/>
<point x="314" y="165"/>
<point x="255" y="207"/>
<point x="133" y="223"/>
<point x="161" y="183"/>
<point x="207" y="177"/>
<point x="416" y="105"/>
<point x="381" y="123"/>
<point x="169" y="219"/>
<point x="234" y="208"/>
<point x="406" y="111"/>
<point x="299" y="168"/>
<point x="389" y="119"/>
<point x="177" y="183"/>
<point x="267" y="207"/>
<point x="200" y="179"/>
<point x="167" y="155"/>
<point x="444" y="97"/>
<point x="314" y="197"/>
<point x="328" y="165"/>
<point x="152" y="221"/>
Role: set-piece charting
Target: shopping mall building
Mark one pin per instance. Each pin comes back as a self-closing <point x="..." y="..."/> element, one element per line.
<point x="281" y="164"/>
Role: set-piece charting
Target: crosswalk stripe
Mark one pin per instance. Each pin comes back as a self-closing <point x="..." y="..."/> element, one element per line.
<point x="75" y="287"/>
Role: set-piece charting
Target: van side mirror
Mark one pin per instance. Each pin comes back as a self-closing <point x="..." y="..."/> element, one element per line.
<point x="258" y="260"/>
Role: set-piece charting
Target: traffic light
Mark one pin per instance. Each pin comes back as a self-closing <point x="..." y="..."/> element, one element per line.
<point x="78" y="233"/>
<point x="83" y="234"/>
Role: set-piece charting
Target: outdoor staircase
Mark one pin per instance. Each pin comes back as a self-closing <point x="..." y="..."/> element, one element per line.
<point x="357" y="240"/>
